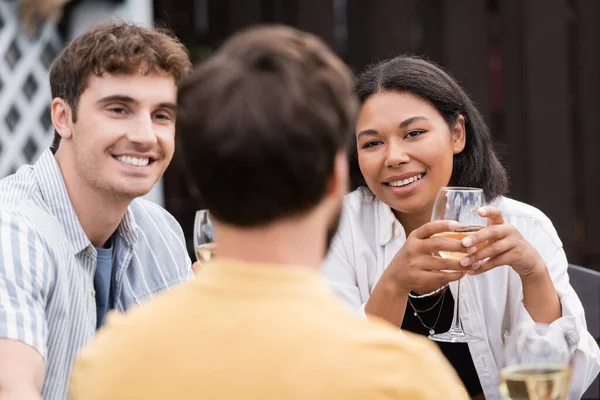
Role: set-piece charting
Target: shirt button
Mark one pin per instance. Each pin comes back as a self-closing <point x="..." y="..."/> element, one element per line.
<point x="505" y="335"/>
<point x="93" y="293"/>
<point x="90" y="251"/>
<point x="397" y="231"/>
<point x="386" y="236"/>
<point x="485" y="364"/>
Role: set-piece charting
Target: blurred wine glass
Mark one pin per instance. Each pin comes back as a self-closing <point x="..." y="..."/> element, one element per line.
<point x="537" y="364"/>
<point x="204" y="244"/>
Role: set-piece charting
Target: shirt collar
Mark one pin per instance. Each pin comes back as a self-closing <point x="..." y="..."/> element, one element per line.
<point x="389" y="226"/>
<point x="128" y="227"/>
<point x="54" y="192"/>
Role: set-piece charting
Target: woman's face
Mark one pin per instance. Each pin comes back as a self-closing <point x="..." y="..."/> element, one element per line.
<point x="405" y="150"/>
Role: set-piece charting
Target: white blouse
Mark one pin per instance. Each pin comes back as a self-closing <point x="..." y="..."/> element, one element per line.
<point x="490" y="303"/>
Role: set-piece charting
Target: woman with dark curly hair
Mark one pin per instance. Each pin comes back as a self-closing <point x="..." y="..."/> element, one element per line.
<point x="417" y="131"/>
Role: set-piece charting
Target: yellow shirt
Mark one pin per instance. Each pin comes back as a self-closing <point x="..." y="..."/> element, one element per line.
<point x="247" y="331"/>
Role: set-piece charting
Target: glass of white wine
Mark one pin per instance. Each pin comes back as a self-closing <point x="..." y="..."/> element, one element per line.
<point x="204" y="238"/>
<point x="458" y="204"/>
<point x="537" y="364"/>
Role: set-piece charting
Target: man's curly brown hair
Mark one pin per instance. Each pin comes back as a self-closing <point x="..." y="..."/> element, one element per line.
<point x="115" y="47"/>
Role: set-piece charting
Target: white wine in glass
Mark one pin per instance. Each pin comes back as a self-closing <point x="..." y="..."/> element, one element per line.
<point x="204" y="244"/>
<point x="458" y="204"/>
<point x="535" y="382"/>
<point x="205" y="252"/>
<point x="458" y="234"/>
<point x="537" y="365"/>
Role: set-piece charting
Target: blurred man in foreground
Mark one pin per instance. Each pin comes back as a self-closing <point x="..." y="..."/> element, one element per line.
<point x="264" y="125"/>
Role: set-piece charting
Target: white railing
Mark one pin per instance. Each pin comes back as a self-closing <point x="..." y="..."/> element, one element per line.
<point x="25" y="125"/>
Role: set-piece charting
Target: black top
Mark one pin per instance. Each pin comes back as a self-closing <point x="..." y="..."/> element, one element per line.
<point x="457" y="353"/>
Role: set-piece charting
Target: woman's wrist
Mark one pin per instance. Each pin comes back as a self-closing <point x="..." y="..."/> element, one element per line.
<point x="391" y="286"/>
<point x="537" y="272"/>
<point x="387" y="300"/>
<point x="539" y="295"/>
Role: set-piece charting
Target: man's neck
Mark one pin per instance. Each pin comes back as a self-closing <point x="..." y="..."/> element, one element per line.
<point x="98" y="213"/>
<point x="297" y="243"/>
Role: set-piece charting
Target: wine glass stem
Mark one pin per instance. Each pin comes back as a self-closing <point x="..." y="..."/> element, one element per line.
<point x="456" y="326"/>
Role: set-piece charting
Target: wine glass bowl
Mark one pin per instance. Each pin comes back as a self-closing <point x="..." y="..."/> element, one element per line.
<point x="458" y="234"/>
<point x="459" y="204"/>
<point x="204" y="240"/>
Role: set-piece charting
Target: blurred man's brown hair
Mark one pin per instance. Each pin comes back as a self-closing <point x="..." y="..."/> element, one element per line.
<point x="261" y="121"/>
<point x="114" y="47"/>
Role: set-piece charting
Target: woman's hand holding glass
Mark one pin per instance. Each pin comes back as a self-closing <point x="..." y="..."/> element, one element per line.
<point x="415" y="266"/>
<point x="504" y="245"/>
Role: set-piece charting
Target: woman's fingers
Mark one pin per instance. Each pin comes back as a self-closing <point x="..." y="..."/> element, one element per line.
<point x="445" y="277"/>
<point x="493" y="215"/>
<point x="431" y="228"/>
<point x="489" y="251"/>
<point x="435" y="263"/>
<point x="497" y="261"/>
<point x="437" y="243"/>
<point x="488" y="234"/>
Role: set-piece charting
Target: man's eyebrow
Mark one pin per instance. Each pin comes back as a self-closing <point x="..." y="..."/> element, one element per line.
<point x="117" y="98"/>
<point x="171" y="106"/>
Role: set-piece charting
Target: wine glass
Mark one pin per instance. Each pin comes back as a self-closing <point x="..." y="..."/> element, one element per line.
<point x="204" y="238"/>
<point x="458" y="204"/>
<point x="537" y="364"/>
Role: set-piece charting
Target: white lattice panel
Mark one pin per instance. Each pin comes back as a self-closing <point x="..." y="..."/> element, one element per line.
<point x="25" y="125"/>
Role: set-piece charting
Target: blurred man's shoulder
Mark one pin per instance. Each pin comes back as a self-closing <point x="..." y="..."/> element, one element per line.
<point x="400" y="363"/>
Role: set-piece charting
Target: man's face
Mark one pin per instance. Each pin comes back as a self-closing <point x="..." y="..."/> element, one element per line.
<point x="124" y="136"/>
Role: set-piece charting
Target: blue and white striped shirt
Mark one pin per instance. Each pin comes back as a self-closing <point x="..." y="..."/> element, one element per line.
<point x="47" y="266"/>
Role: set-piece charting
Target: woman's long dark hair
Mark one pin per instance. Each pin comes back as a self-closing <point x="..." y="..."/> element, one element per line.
<point x="477" y="165"/>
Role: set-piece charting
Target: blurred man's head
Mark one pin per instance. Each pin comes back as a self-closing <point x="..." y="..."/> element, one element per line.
<point x="115" y="91"/>
<point x="264" y="126"/>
